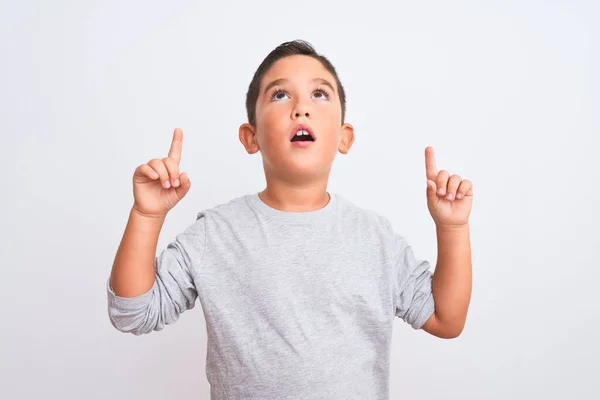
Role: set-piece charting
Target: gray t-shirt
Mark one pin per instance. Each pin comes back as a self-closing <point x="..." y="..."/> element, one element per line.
<point x="297" y="305"/>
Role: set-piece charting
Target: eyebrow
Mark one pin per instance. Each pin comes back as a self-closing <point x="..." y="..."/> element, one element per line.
<point x="283" y="80"/>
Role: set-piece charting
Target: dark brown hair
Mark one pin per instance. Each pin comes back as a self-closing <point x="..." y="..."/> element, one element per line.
<point x="295" y="47"/>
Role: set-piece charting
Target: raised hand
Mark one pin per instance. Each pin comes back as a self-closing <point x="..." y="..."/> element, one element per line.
<point x="449" y="198"/>
<point x="157" y="185"/>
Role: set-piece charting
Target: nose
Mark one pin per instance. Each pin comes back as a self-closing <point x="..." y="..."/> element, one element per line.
<point x="300" y="110"/>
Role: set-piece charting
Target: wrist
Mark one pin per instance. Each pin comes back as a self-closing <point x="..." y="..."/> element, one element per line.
<point x="136" y="213"/>
<point x="452" y="227"/>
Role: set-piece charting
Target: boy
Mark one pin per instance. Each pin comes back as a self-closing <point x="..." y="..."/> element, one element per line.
<point x="298" y="286"/>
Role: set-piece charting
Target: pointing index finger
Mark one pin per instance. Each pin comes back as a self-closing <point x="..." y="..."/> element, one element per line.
<point x="430" y="167"/>
<point x="176" y="144"/>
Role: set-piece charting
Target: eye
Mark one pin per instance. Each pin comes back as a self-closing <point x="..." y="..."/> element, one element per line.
<point x="321" y="94"/>
<point x="278" y="94"/>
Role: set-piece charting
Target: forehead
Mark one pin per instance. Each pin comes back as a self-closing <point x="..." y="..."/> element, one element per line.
<point x="297" y="68"/>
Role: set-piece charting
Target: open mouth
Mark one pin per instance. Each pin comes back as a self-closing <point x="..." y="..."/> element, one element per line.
<point x="302" y="133"/>
<point x="302" y="136"/>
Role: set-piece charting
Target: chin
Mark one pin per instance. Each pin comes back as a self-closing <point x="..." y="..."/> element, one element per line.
<point x="307" y="169"/>
<point x="294" y="168"/>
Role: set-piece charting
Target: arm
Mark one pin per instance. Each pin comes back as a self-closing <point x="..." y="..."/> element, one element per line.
<point x="452" y="282"/>
<point x="153" y="295"/>
<point x="133" y="268"/>
<point x="449" y="199"/>
<point x="146" y="292"/>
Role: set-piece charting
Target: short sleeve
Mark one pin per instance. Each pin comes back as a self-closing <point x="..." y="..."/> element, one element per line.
<point x="413" y="293"/>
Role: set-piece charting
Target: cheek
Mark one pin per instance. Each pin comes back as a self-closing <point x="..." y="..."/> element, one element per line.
<point x="331" y="118"/>
<point x="269" y="132"/>
<point x="333" y="129"/>
<point x="271" y="118"/>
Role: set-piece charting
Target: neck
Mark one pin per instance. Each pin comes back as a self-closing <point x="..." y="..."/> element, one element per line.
<point x="295" y="197"/>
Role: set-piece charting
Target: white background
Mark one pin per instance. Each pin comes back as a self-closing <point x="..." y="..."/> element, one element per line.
<point x="507" y="92"/>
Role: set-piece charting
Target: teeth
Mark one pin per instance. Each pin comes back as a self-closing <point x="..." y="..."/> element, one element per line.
<point x="302" y="132"/>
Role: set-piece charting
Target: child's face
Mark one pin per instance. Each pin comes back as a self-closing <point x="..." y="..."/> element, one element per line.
<point x="298" y="90"/>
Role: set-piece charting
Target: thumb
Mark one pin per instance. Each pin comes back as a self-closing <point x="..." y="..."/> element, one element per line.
<point x="184" y="186"/>
<point x="432" y="197"/>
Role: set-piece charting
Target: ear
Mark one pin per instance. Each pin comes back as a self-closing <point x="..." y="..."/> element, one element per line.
<point x="346" y="138"/>
<point x="248" y="138"/>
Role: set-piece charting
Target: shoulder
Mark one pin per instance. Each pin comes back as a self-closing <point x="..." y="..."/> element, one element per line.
<point x="236" y="209"/>
<point x="367" y="220"/>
